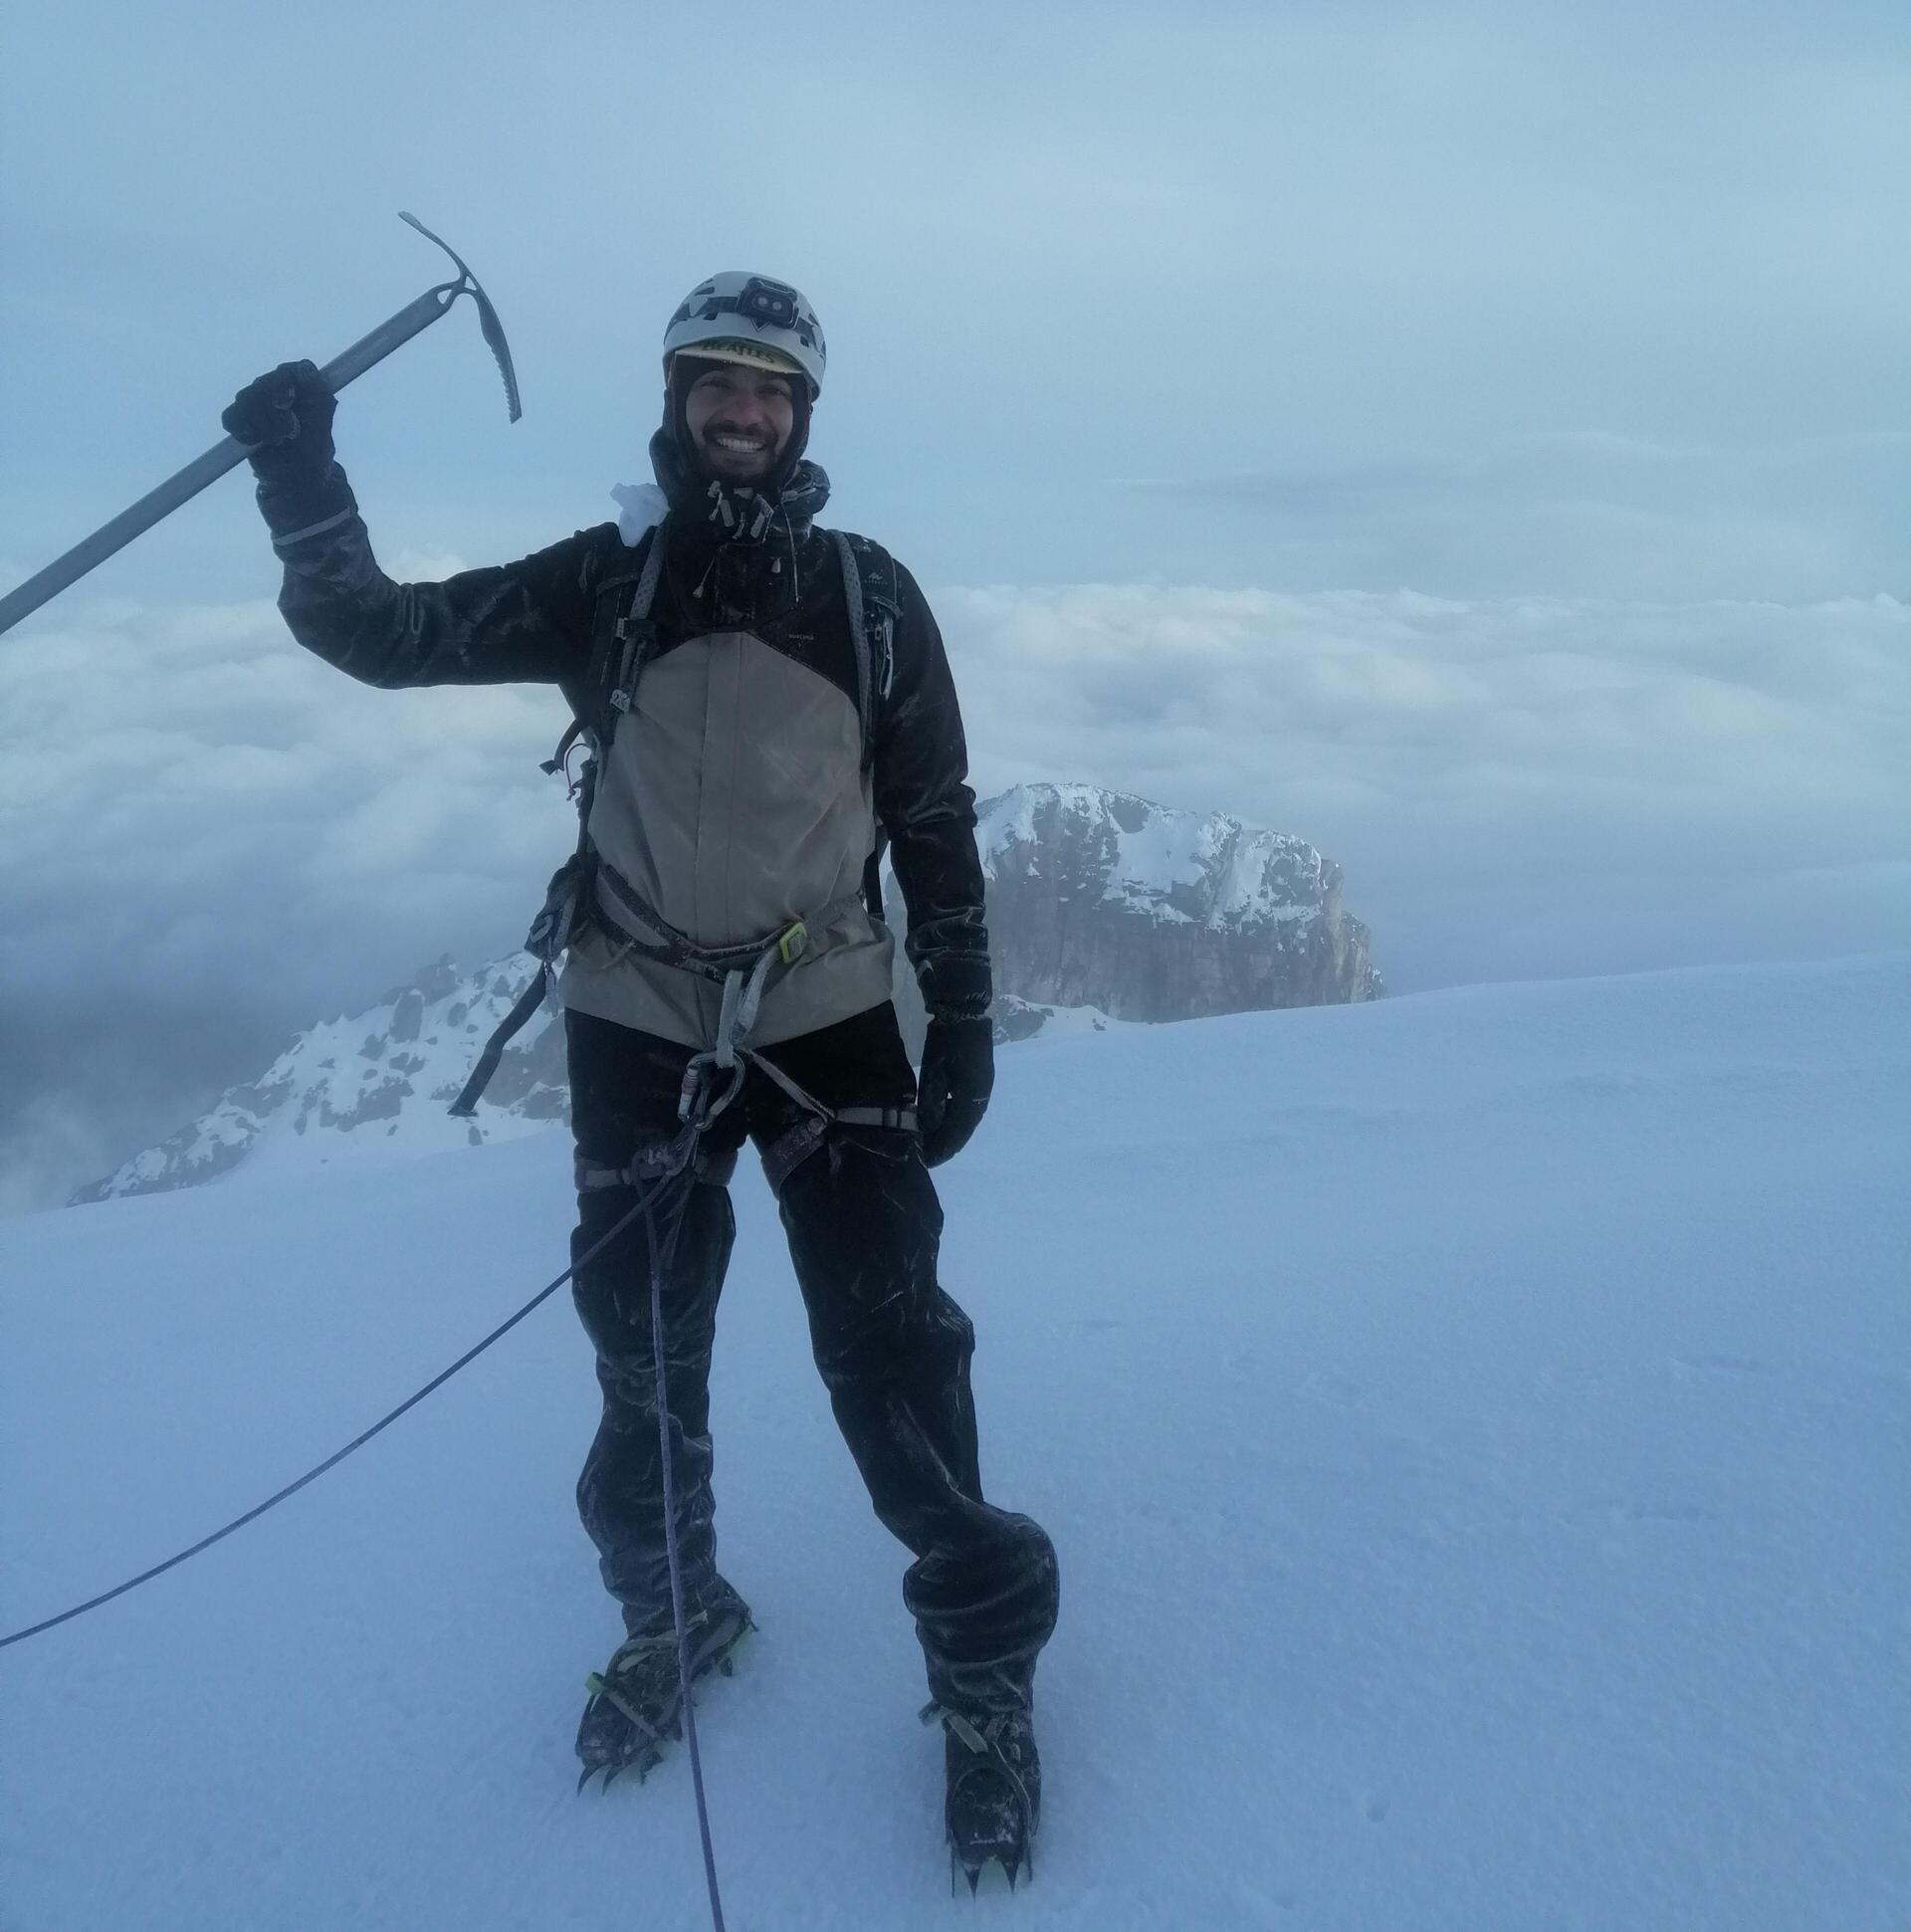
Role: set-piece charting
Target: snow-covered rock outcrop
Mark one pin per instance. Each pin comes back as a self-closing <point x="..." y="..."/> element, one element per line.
<point x="374" y="1081"/>
<point x="1101" y="898"/>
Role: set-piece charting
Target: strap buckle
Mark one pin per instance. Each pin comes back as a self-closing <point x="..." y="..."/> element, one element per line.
<point x="638" y="636"/>
<point x="793" y="943"/>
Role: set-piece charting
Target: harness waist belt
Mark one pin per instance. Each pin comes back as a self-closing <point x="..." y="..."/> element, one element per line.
<point x="630" y="919"/>
<point x="746" y="972"/>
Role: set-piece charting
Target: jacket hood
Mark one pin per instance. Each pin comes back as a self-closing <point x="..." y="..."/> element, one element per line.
<point x="736" y="513"/>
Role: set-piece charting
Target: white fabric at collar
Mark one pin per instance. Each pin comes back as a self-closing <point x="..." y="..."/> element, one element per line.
<point x="640" y="509"/>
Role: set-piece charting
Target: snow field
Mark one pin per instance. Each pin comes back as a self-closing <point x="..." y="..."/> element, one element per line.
<point x="1474" y="1428"/>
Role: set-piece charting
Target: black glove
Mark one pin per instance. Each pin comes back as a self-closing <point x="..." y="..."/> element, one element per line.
<point x="285" y="420"/>
<point x="958" y="1071"/>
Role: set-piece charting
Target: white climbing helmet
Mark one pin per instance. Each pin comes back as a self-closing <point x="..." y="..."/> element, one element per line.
<point x="753" y="320"/>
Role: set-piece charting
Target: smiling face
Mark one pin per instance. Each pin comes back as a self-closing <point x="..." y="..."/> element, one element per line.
<point x="739" y="421"/>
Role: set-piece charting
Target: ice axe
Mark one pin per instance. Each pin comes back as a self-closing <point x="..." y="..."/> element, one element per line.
<point x="227" y="453"/>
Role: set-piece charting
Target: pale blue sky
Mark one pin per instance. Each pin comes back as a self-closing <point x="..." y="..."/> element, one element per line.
<point x="1606" y="299"/>
<point x="1583" y="326"/>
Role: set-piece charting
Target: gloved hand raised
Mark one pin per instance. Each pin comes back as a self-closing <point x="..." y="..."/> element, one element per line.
<point x="284" y="419"/>
<point x="958" y="1072"/>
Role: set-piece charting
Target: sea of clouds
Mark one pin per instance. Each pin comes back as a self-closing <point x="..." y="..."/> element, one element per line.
<point x="209" y="839"/>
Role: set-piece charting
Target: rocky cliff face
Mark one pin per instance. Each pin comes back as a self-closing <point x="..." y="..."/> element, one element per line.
<point x="1101" y="898"/>
<point x="1101" y="908"/>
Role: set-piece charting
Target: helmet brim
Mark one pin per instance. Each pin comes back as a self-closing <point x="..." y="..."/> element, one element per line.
<point x="749" y="355"/>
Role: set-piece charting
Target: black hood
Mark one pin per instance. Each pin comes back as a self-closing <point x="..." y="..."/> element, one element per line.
<point x="787" y="500"/>
<point x="731" y="513"/>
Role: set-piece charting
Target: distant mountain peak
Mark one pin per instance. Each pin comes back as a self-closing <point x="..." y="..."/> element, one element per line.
<point x="1100" y="897"/>
<point x="375" y="1082"/>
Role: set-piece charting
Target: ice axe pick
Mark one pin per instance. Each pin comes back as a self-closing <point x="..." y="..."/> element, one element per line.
<point x="227" y="453"/>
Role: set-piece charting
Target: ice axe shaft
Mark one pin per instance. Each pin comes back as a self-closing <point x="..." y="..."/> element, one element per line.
<point x="227" y="453"/>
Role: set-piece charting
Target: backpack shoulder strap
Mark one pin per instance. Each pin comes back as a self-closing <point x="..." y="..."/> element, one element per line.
<point x="873" y="594"/>
<point x="623" y="638"/>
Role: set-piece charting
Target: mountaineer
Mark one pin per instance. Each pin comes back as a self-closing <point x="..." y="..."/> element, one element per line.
<point x="766" y="705"/>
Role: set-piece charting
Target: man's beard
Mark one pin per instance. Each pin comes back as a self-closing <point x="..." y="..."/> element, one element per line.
<point x="741" y="467"/>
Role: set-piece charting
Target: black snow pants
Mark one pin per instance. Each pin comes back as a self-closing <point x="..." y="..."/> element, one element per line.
<point x="864" y="1225"/>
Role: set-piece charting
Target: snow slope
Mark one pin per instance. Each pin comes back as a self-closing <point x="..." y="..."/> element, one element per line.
<point x="1474" y="1425"/>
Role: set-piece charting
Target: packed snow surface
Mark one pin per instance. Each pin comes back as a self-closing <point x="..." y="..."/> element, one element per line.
<point x="1474" y="1426"/>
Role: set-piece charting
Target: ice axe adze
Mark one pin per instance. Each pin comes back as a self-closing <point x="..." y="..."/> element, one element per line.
<point x="227" y="453"/>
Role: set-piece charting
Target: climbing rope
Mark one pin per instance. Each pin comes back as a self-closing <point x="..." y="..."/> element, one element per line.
<point x="644" y="1205"/>
<point x="661" y="1258"/>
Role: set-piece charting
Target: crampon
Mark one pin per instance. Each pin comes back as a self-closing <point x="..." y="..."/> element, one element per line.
<point x="636" y="1702"/>
<point x="995" y="1800"/>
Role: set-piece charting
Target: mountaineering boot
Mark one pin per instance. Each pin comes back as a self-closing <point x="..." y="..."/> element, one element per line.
<point x="995" y="1797"/>
<point x="636" y="1700"/>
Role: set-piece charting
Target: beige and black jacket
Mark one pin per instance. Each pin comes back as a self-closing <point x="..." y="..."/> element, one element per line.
<point x="743" y="788"/>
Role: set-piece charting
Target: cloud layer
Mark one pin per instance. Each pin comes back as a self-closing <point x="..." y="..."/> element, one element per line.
<point x="208" y="839"/>
<point x="1516" y="787"/>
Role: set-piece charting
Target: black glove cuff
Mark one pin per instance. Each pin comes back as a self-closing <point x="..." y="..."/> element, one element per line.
<point x="957" y="987"/>
<point x="961" y="982"/>
<point x="293" y="502"/>
<point x="944" y="1016"/>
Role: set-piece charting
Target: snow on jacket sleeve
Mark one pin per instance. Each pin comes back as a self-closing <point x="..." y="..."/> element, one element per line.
<point x="517" y="622"/>
<point x="927" y="811"/>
